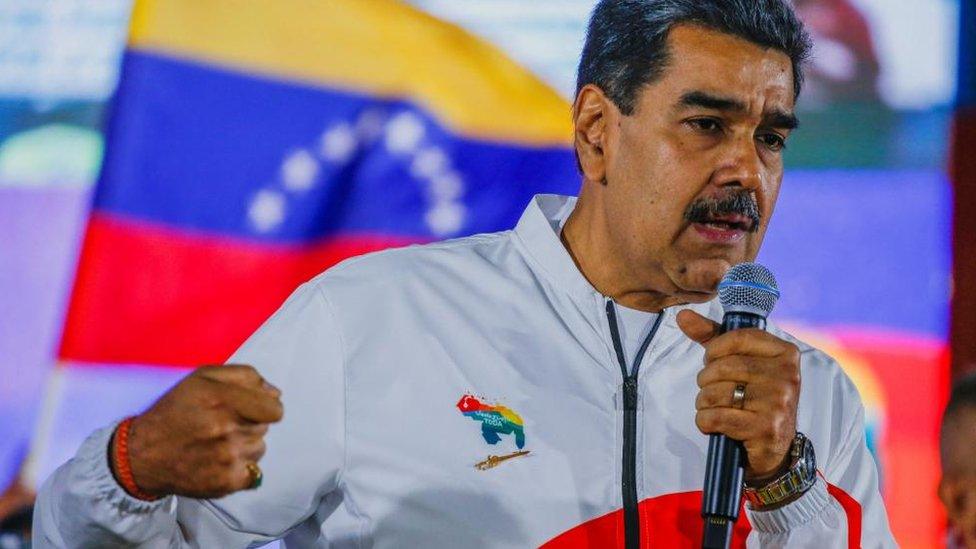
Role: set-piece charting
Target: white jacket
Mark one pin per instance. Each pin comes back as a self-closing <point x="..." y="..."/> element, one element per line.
<point x="374" y="357"/>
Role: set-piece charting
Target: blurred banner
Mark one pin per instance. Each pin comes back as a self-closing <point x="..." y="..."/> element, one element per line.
<point x="251" y="145"/>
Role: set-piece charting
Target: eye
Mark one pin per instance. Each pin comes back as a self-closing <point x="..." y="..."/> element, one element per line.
<point x="773" y="141"/>
<point x="705" y="125"/>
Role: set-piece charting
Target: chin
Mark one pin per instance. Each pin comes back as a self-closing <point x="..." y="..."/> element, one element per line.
<point x="701" y="277"/>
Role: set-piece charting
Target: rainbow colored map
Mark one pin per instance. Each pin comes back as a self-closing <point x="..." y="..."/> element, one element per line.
<point x="495" y="420"/>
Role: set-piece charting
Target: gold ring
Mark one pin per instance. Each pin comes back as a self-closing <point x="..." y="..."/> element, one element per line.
<point x="256" y="475"/>
<point x="739" y="396"/>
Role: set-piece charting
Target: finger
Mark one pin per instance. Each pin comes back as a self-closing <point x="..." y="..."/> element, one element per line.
<point x="719" y="395"/>
<point x="214" y="482"/>
<point x="740" y="369"/>
<point x="247" y="376"/>
<point x="750" y="341"/>
<point x="736" y="424"/>
<point x="765" y="398"/>
<point x="253" y="404"/>
<point x="697" y="327"/>
<point x="253" y="450"/>
<point x="271" y="389"/>
<point x="252" y="430"/>
<point x="238" y="374"/>
<point x="241" y="477"/>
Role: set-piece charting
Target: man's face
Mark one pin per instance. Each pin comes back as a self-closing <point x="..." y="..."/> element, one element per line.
<point x="702" y="148"/>
<point x="957" y="489"/>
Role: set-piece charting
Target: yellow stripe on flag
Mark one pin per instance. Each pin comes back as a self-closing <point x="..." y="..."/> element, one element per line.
<point x="377" y="47"/>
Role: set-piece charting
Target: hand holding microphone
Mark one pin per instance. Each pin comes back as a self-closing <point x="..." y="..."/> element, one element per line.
<point x="769" y="370"/>
<point x="749" y="392"/>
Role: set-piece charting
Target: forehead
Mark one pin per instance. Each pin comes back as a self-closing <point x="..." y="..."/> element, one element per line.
<point x="962" y="421"/>
<point x="709" y="60"/>
<point x="958" y="435"/>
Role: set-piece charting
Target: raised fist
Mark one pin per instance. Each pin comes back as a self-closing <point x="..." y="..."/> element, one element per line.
<point x="202" y="438"/>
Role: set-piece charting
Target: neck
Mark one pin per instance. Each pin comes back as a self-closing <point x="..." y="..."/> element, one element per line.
<point x="586" y="237"/>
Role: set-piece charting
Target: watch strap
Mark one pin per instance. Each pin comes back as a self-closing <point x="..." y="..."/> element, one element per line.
<point x="801" y="475"/>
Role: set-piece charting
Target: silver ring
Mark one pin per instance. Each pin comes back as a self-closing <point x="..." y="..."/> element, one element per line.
<point x="739" y="396"/>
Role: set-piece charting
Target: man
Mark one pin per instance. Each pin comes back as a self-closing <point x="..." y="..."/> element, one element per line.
<point x="537" y="386"/>
<point x="957" y="490"/>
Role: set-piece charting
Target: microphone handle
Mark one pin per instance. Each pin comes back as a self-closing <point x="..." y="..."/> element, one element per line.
<point x="722" y="493"/>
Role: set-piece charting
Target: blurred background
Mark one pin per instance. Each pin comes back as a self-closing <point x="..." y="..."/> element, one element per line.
<point x="170" y="171"/>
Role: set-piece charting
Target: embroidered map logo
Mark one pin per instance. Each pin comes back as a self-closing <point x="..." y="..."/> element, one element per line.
<point x="495" y="420"/>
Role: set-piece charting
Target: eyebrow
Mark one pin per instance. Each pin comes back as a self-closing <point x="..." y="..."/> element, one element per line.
<point x="776" y="119"/>
<point x="709" y="101"/>
<point x="783" y="120"/>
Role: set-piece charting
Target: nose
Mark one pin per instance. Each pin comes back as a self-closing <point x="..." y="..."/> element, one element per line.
<point x="741" y="166"/>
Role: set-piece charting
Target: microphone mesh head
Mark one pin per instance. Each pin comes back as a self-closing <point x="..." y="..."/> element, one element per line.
<point x="748" y="288"/>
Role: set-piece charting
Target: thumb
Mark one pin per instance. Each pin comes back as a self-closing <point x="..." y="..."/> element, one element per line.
<point x="697" y="327"/>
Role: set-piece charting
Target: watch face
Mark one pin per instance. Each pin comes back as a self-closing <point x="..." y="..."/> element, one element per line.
<point x="808" y="457"/>
<point x="801" y="476"/>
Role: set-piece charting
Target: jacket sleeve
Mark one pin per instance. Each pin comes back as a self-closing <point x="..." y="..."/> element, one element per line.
<point x="299" y="350"/>
<point x="843" y="509"/>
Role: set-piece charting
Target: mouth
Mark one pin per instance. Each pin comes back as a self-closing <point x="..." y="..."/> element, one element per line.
<point x="724" y="228"/>
<point x="724" y="220"/>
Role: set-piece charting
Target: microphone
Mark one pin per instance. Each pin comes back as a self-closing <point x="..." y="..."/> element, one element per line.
<point x="748" y="293"/>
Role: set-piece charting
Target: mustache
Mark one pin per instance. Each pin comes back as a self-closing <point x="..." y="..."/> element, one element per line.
<point x="709" y="210"/>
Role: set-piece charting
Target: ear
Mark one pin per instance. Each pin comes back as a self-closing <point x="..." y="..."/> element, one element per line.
<point x="592" y="112"/>
<point x="946" y="495"/>
<point x="955" y="497"/>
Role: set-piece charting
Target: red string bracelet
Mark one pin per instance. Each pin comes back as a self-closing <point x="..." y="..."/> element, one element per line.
<point x="119" y="450"/>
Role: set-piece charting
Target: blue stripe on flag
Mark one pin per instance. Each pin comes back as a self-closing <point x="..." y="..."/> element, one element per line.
<point x="207" y="149"/>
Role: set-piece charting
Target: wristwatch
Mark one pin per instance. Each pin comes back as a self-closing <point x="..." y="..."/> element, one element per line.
<point x="801" y="475"/>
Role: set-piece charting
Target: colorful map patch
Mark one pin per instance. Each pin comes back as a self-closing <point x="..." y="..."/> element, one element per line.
<point x="495" y="420"/>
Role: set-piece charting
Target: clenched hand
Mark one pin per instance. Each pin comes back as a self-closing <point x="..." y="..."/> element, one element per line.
<point x="198" y="439"/>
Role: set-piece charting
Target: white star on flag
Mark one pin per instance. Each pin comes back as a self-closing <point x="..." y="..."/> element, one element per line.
<point x="404" y="135"/>
<point x="299" y="170"/>
<point x="267" y="210"/>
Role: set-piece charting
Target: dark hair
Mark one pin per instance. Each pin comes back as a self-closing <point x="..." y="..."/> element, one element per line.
<point x="963" y="395"/>
<point x="626" y="42"/>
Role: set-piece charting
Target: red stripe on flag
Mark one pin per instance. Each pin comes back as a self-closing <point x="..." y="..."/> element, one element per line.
<point x="853" y="511"/>
<point x="152" y="295"/>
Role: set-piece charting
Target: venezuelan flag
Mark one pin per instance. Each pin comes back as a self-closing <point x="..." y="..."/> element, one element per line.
<point x="252" y="145"/>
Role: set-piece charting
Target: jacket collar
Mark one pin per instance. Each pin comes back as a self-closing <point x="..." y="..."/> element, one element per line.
<point x="538" y="229"/>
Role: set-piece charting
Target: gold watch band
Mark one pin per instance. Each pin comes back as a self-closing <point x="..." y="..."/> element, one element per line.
<point x="801" y="475"/>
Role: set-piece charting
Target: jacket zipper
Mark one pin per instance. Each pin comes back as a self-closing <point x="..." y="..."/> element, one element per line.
<point x="628" y="481"/>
